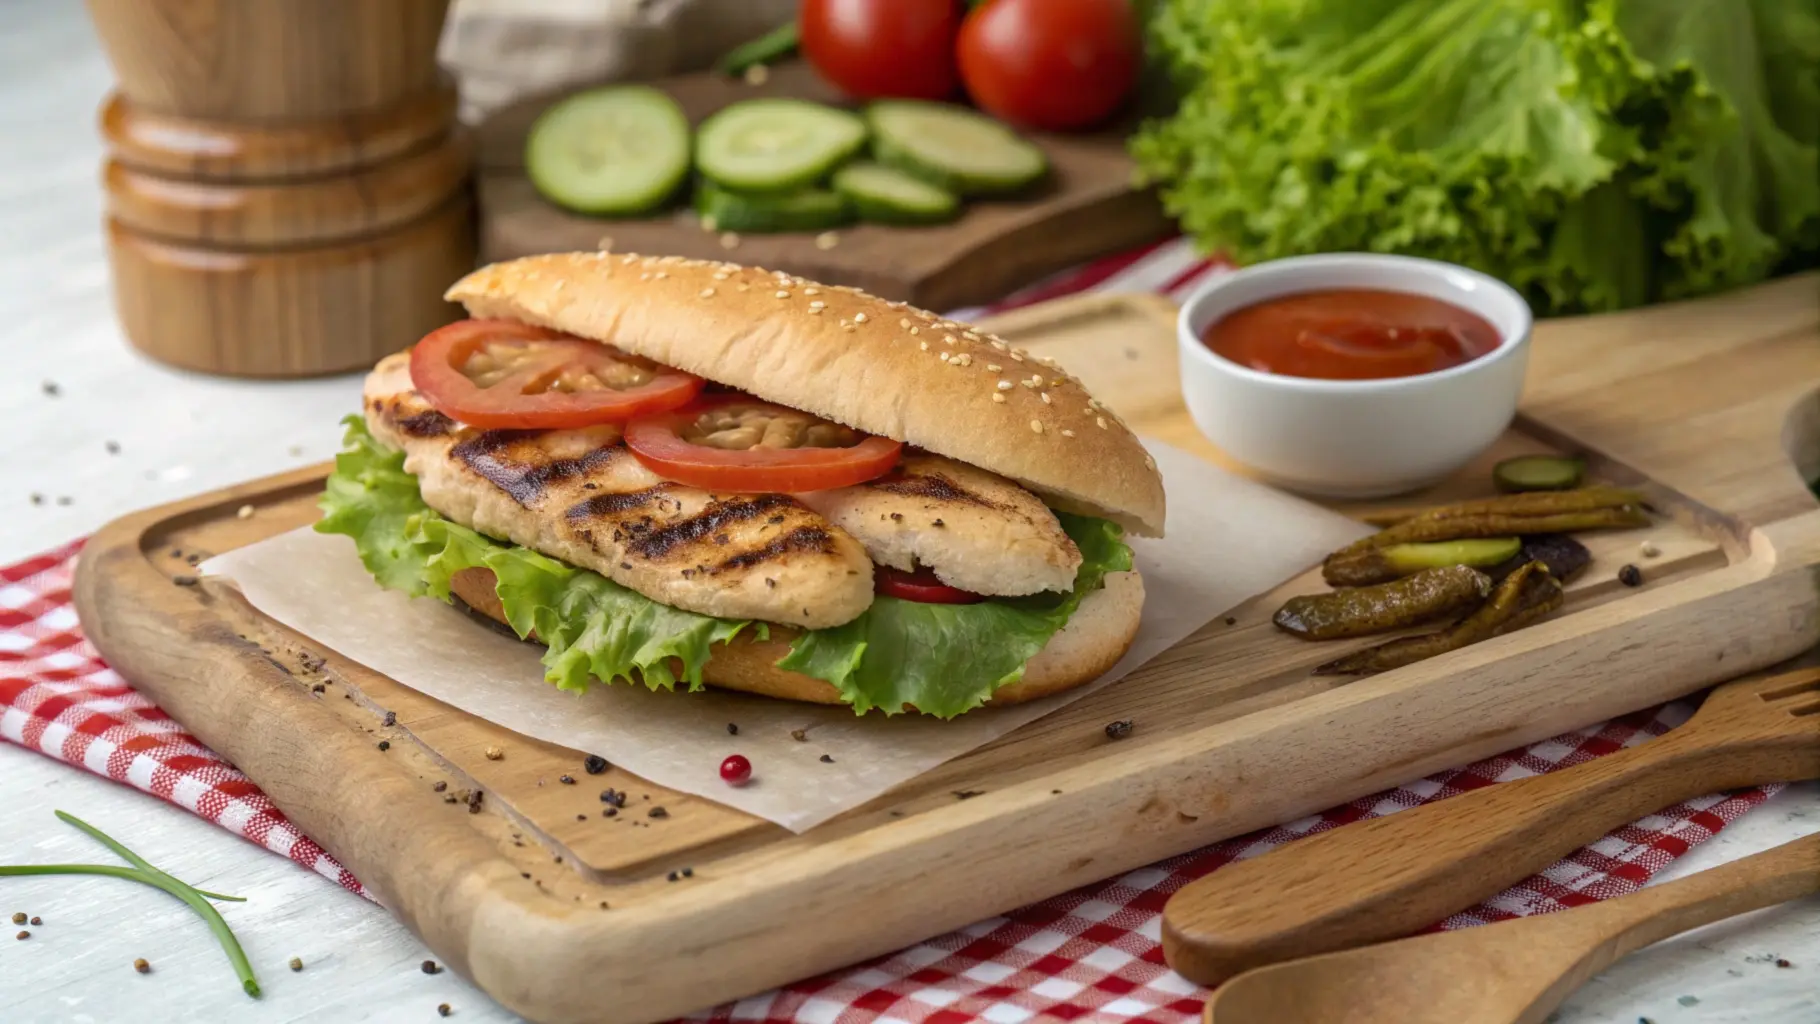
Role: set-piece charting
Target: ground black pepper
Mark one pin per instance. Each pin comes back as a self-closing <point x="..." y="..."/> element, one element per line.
<point x="1232" y="620"/>
<point x="441" y="787"/>
<point x="51" y="388"/>
<point x="1630" y="576"/>
<point x="827" y="759"/>
<point x="319" y="688"/>
<point x="671" y="877"/>
<point x="113" y="447"/>
<point x="799" y="735"/>
<point x="688" y="872"/>
<point x="595" y="764"/>
<point x="1119" y="730"/>
<point x="442" y="1009"/>
<point x="185" y="580"/>
<point x="1779" y="961"/>
<point x="613" y="797"/>
<point x="657" y="812"/>
<point x="732" y="729"/>
<point x="65" y="499"/>
<point x="611" y="812"/>
<point x="37" y="499"/>
<point x="474" y="800"/>
<point x="429" y="967"/>
<point x="967" y="794"/>
<point x="567" y="780"/>
<point x="391" y="719"/>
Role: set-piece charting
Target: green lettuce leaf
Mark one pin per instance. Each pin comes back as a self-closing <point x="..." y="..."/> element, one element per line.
<point x="1596" y="154"/>
<point x="944" y="659"/>
<point x="940" y="659"/>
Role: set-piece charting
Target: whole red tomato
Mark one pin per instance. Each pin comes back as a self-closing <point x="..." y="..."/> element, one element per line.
<point x="1052" y="64"/>
<point x="872" y="48"/>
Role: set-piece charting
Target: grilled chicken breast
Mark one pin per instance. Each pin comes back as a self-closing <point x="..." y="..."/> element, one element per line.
<point x="580" y="496"/>
<point x="975" y="529"/>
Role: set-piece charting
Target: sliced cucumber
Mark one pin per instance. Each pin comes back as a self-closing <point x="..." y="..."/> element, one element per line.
<point x="808" y="210"/>
<point x="774" y="145"/>
<point x="885" y="195"/>
<point x="952" y="147"/>
<point x="619" y="149"/>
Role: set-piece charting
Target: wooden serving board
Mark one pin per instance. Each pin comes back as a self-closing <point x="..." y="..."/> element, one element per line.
<point x="564" y="915"/>
<point x="1088" y="208"/>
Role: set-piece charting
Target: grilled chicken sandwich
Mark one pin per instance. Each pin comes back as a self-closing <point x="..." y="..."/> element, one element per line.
<point x="675" y="470"/>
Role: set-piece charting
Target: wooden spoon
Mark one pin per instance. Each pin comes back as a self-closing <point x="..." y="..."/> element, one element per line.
<point x="1389" y="877"/>
<point x="1515" y="972"/>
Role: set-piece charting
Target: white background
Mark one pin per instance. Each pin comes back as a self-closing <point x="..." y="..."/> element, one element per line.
<point x="180" y="434"/>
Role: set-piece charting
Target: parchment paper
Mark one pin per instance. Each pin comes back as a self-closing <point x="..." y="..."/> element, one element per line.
<point x="1228" y="539"/>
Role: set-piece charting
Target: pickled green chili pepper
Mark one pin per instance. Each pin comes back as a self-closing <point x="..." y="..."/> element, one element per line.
<point x="1525" y="596"/>
<point x="1367" y="566"/>
<point x="1424" y="597"/>
<point x="1538" y="473"/>
<point x="1532" y="503"/>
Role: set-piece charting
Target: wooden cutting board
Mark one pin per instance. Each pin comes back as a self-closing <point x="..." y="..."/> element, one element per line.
<point x="1088" y="209"/>
<point x="564" y="915"/>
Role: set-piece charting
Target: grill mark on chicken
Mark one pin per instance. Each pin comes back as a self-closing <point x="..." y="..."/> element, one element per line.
<point x="930" y="486"/>
<point x="523" y="481"/>
<point x="609" y="506"/>
<point x="803" y="538"/>
<point x="716" y="517"/>
<point x="427" y="424"/>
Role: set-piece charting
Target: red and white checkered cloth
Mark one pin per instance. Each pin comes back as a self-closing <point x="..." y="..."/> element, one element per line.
<point x="1091" y="955"/>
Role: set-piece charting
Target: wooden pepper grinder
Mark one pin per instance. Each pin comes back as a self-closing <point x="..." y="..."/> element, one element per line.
<point x="288" y="191"/>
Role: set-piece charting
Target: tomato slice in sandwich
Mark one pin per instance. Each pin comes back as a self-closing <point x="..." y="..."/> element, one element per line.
<point x="501" y="374"/>
<point x="922" y="586"/>
<point x="740" y="443"/>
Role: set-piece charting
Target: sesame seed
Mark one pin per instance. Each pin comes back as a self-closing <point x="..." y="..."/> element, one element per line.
<point x="812" y="291"/>
<point x="1017" y="356"/>
<point x="923" y="345"/>
<point x="720" y="275"/>
<point x="994" y="367"/>
<point x="708" y="224"/>
<point x="628" y="259"/>
<point x="815" y="311"/>
<point x="1045" y="398"/>
<point x="918" y="330"/>
<point x="1149" y="463"/>
<point x="848" y="327"/>
<point x="996" y="397"/>
<point x="1036" y="379"/>
<point x="782" y="294"/>
<point x="646" y="276"/>
<point x="1067" y="433"/>
<point x="560" y="282"/>
<point x="859" y="318"/>
<point x="1036" y="426"/>
<point x="970" y="336"/>
<point x="966" y="360"/>
<point x="944" y="357"/>
<point x="1101" y="420"/>
<point x="707" y="293"/>
<point x="660" y="275"/>
<point x="826" y="240"/>
<point x="997" y="344"/>
<point x="947" y="339"/>
<point x="818" y="305"/>
<point x="605" y="244"/>
<point x="1026" y="383"/>
<point x="1004" y="385"/>
<point x="904" y="322"/>
<point x="757" y="74"/>
<point x="730" y="240"/>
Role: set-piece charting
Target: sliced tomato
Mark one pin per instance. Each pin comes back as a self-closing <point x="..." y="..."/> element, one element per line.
<point x="922" y="586"/>
<point x="498" y="374"/>
<point x="735" y="443"/>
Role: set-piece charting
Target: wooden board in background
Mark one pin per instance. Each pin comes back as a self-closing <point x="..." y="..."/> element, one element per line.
<point x="1088" y="209"/>
<point x="1233" y="733"/>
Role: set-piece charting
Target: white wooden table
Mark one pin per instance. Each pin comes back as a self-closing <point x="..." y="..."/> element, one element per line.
<point x="179" y="434"/>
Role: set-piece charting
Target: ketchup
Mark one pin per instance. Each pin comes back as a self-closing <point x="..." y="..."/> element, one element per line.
<point x="1351" y="334"/>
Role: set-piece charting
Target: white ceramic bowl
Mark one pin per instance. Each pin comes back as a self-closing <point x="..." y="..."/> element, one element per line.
<point x="1354" y="438"/>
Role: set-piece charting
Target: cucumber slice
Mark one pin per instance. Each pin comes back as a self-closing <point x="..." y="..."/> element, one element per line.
<point x="808" y="210"/>
<point x="774" y="145"/>
<point x="619" y="149"/>
<point x="954" y="148"/>
<point x="887" y="196"/>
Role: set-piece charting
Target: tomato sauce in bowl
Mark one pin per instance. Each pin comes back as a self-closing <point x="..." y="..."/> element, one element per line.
<point x="1351" y="334"/>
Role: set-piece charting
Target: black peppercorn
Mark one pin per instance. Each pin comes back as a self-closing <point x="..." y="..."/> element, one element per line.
<point x="1630" y="576"/>
<point x="595" y="764"/>
<point x="385" y="744"/>
<point x="827" y="759"/>
<point x="658" y="812"/>
<point x="732" y="729"/>
<point x="391" y="719"/>
<point x="429" y="967"/>
<point x="1118" y="730"/>
<point x="567" y="780"/>
<point x="441" y="787"/>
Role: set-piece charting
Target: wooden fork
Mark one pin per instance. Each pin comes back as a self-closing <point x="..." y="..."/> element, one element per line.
<point x="1388" y="877"/>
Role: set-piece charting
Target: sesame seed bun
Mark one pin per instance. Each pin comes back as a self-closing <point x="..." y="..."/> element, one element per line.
<point x="882" y="367"/>
<point x="1094" y="639"/>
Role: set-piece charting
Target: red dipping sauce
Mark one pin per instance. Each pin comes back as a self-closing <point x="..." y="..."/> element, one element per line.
<point x="1351" y="334"/>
